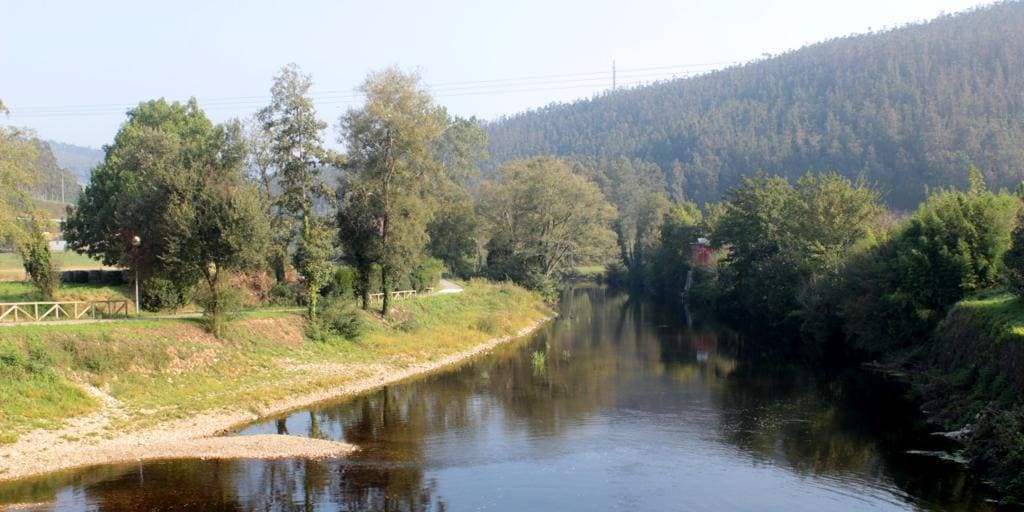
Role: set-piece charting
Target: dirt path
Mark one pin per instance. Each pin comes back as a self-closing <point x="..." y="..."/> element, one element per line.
<point x="86" y="440"/>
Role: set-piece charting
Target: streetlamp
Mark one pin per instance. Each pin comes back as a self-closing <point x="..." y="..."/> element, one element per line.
<point x="136" y="242"/>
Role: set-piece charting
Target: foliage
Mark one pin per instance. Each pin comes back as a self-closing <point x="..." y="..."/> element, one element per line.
<point x="453" y="232"/>
<point x="159" y="293"/>
<point x="781" y="239"/>
<point x="338" y="317"/>
<point x="220" y="302"/>
<point x="905" y="109"/>
<point x="36" y="257"/>
<point x="542" y="219"/>
<point x="670" y="261"/>
<point x="312" y="260"/>
<point x="17" y="174"/>
<point x="297" y="156"/>
<point x="1014" y="257"/>
<point x="342" y="282"/>
<point x="951" y="247"/>
<point x="391" y="163"/>
<point x="637" y="189"/>
<point x="174" y="180"/>
<point x="427" y="274"/>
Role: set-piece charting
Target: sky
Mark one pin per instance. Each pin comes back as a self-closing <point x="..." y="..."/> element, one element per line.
<point x="69" y="70"/>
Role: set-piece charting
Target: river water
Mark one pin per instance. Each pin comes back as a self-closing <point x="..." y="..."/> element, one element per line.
<point x="617" y="405"/>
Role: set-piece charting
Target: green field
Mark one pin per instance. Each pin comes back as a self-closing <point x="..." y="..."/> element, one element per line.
<point x="12" y="270"/>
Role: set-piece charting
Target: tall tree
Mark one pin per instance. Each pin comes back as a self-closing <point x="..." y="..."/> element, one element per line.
<point x="392" y="162"/>
<point x="219" y="225"/>
<point x="541" y="219"/>
<point x="151" y="164"/>
<point x="298" y="156"/>
<point x="175" y="181"/>
<point x="780" y="238"/>
<point x="17" y="158"/>
<point x="20" y="223"/>
<point x="460" y="149"/>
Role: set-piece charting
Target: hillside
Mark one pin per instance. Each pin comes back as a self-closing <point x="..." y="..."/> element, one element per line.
<point x="907" y="109"/>
<point x="56" y="182"/>
<point x="78" y="159"/>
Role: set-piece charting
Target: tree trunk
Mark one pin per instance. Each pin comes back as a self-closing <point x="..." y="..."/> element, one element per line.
<point x="385" y="287"/>
<point x="364" y="288"/>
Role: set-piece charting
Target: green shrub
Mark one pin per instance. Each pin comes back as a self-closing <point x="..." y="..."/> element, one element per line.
<point x="427" y="274"/>
<point x="284" y="294"/>
<point x="35" y="256"/>
<point x="342" y="282"/>
<point x="12" y="358"/>
<point x="337" y="317"/>
<point x="158" y="293"/>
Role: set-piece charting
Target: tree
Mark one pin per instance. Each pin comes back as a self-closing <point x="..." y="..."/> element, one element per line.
<point x="298" y="156"/>
<point x="391" y="164"/>
<point x="462" y="145"/>
<point x="220" y="225"/>
<point x="17" y="174"/>
<point x="150" y="164"/>
<point x="175" y="180"/>
<point x="1014" y="257"/>
<point x="781" y="239"/>
<point x="541" y="218"/>
<point x="638" y="192"/>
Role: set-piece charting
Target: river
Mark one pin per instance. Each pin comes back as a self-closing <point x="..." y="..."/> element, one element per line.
<point x="617" y="405"/>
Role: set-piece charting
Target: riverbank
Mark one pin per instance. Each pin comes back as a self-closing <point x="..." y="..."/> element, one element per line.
<point x="970" y="382"/>
<point x="91" y="394"/>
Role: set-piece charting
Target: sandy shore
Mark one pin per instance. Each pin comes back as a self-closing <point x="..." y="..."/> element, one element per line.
<point x="75" y="445"/>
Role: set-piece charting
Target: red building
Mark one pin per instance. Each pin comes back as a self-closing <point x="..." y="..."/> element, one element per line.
<point x="701" y="253"/>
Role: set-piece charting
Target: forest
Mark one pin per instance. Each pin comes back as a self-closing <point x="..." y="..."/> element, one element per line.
<point x="906" y="109"/>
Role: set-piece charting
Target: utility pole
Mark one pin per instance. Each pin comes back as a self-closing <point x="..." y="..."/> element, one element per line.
<point x="613" y="74"/>
<point x="62" y="189"/>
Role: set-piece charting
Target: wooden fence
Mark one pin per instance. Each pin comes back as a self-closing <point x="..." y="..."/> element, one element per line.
<point x="399" y="295"/>
<point x="39" y="311"/>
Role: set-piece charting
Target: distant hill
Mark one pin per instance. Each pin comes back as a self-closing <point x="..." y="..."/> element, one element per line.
<point x="907" y="109"/>
<point x="56" y="183"/>
<point x="78" y="159"/>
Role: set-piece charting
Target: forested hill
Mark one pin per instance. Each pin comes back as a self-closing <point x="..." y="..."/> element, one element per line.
<point x="908" y="108"/>
<point x="78" y="159"/>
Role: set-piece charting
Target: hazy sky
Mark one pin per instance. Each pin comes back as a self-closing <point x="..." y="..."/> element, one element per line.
<point x="70" y="69"/>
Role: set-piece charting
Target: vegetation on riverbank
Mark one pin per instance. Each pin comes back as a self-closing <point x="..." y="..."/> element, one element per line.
<point x="970" y="379"/>
<point x="155" y="370"/>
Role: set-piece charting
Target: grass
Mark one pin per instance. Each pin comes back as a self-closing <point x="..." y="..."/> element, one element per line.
<point x="12" y="269"/>
<point x="1000" y="309"/>
<point x="20" y="291"/>
<point x="171" y="368"/>
<point x="589" y="270"/>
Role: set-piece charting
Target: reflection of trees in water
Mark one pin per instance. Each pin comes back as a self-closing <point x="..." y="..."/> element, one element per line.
<point x="855" y="427"/>
<point x="174" y="485"/>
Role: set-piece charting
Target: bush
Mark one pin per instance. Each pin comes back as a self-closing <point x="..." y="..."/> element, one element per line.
<point x="337" y="317"/>
<point x="158" y="293"/>
<point x="427" y="274"/>
<point x="284" y="294"/>
<point x="35" y="255"/>
<point x="342" y="282"/>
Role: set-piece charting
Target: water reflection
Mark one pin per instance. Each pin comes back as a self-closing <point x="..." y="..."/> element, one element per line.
<point x="617" y="405"/>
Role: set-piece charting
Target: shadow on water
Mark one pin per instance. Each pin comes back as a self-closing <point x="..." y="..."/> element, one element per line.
<point x="618" y="404"/>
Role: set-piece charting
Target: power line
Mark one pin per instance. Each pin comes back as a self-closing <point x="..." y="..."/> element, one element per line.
<point x="538" y="83"/>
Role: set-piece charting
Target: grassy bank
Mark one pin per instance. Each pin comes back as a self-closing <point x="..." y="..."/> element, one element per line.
<point x="11" y="267"/>
<point x="148" y="371"/>
<point x="972" y="377"/>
